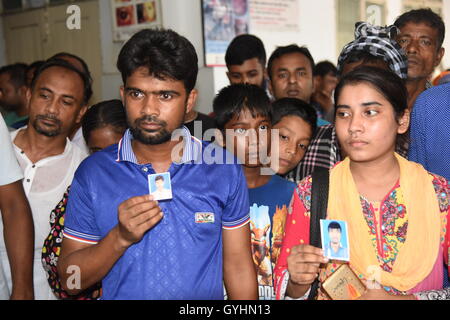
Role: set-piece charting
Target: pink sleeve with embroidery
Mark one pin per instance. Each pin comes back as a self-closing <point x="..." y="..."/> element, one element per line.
<point x="447" y="228"/>
<point x="296" y="232"/>
<point x="447" y="233"/>
<point x="442" y="189"/>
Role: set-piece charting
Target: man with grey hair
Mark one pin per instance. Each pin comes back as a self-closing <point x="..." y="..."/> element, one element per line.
<point x="421" y="35"/>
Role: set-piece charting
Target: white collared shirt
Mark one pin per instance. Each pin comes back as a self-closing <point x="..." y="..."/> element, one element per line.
<point x="9" y="169"/>
<point x="44" y="183"/>
<point x="78" y="140"/>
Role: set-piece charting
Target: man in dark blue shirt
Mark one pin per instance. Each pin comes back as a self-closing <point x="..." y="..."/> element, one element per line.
<point x="430" y="130"/>
<point x="181" y="248"/>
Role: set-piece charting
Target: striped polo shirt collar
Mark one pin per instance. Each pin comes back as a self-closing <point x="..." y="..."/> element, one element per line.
<point x="191" y="152"/>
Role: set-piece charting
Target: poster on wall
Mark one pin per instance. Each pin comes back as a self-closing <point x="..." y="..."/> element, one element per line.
<point x="222" y="21"/>
<point x="225" y="19"/>
<point x="130" y="16"/>
<point x="274" y="15"/>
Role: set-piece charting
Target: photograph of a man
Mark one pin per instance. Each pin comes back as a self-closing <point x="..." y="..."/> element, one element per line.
<point x="160" y="186"/>
<point x="335" y="240"/>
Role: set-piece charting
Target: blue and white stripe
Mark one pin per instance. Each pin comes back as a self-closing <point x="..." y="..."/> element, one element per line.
<point x="236" y="224"/>
<point x="79" y="236"/>
<point x="192" y="150"/>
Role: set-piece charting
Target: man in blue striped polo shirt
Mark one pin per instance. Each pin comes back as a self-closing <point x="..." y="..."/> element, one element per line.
<point x="181" y="248"/>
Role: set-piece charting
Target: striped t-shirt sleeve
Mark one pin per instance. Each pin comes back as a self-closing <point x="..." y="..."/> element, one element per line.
<point x="80" y="224"/>
<point x="236" y="214"/>
<point x="79" y="236"/>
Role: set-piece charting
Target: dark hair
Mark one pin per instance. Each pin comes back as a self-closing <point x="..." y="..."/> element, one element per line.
<point x="426" y="16"/>
<point x="334" y="225"/>
<point x="164" y="53"/>
<point x="87" y="89"/>
<point x="281" y="51"/>
<point x="17" y="74"/>
<point x="364" y="57"/>
<point x="103" y="114"/>
<point x="159" y="178"/>
<point x="33" y="67"/>
<point x="61" y="55"/>
<point x="233" y="99"/>
<point x="387" y="83"/>
<point x="294" y="107"/>
<point x="323" y="68"/>
<point x="245" y="47"/>
<point x="84" y="65"/>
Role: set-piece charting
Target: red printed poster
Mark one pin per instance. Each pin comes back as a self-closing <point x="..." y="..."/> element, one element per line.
<point x="130" y="16"/>
<point x="274" y="15"/>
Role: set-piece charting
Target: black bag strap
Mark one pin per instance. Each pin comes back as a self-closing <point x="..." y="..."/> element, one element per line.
<point x="319" y="204"/>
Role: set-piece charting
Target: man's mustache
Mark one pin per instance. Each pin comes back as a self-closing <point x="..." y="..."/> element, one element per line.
<point x="151" y="119"/>
<point x="50" y="117"/>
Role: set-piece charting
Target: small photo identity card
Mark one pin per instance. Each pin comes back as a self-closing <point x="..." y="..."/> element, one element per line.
<point x="159" y="186"/>
<point x="335" y="244"/>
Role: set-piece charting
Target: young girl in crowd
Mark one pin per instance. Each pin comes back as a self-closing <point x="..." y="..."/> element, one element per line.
<point x="103" y="125"/>
<point x="396" y="211"/>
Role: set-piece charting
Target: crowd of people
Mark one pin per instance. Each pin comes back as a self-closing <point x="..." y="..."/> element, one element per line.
<point x="79" y="219"/>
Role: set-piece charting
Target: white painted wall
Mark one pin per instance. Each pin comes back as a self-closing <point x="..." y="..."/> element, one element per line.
<point x="111" y="79"/>
<point x="394" y="9"/>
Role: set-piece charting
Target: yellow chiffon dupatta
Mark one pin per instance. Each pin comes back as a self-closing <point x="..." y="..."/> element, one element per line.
<point x="418" y="254"/>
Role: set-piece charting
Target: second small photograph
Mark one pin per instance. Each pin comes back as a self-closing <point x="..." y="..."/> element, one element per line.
<point x="335" y="242"/>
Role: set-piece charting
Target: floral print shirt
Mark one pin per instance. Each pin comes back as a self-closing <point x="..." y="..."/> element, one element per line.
<point x="387" y="226"/>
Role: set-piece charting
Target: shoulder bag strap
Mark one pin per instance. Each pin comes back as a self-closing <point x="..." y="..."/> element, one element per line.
<point x="319" y="203"/>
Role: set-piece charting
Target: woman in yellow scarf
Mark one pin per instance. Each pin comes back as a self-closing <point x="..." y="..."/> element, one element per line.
<point x="395" y="210"/>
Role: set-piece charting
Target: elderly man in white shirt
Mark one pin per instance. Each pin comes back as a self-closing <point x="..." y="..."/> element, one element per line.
<point x="47" y="157"/>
